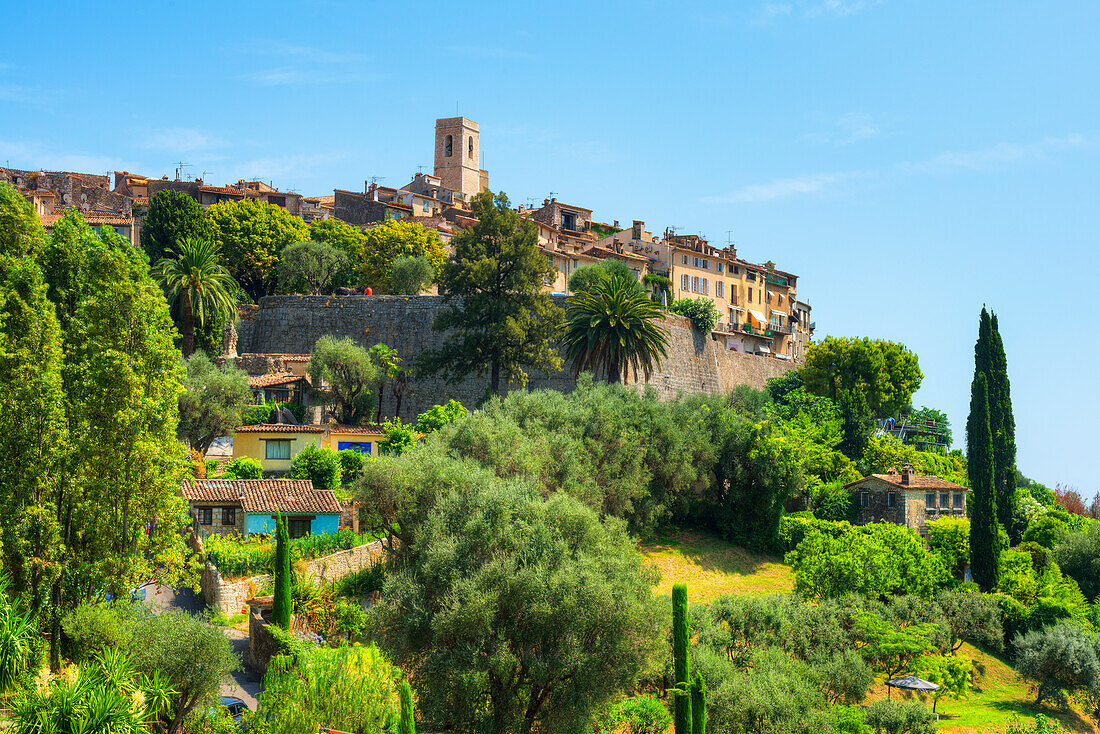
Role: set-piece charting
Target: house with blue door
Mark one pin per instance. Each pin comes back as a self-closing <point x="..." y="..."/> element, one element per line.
<point x="250" y="506"/>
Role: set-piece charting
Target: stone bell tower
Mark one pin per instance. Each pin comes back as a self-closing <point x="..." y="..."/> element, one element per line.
<point x="457" y="156"/>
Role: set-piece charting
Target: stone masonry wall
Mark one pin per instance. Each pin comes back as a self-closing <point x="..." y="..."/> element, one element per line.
<point x="292" y="325"/>
<point x="230" y="597"/>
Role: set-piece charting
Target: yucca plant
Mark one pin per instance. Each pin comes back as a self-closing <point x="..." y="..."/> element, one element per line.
<point x="16" y="635"/>
<point x="193" y="276"/>
<point x="614" y="329"/>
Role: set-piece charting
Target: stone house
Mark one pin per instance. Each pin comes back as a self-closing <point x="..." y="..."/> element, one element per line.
<point x="906" y="498"/>
<point x="248" y="506"/>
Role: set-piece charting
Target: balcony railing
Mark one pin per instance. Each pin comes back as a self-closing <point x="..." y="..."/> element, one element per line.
<point x="780" y="328"/>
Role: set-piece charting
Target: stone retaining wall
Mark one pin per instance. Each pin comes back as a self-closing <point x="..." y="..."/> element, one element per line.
<point x="292" y="325"/>
<point x="230" y="597"/>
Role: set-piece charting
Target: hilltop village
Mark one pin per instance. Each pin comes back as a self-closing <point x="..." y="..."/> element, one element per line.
<point x="759" y="310"/>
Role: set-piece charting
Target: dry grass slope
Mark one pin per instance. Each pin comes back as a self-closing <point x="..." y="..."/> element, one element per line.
<point x="712" y="567"/>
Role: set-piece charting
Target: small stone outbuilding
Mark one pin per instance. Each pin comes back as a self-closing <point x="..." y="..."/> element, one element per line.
<point x="906" y="498"/>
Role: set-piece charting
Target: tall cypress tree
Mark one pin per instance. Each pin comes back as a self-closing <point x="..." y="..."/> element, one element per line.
<point x="984" y="538"/>
<point x="1003" y="426"/>
<point x="681" y="638"/>
<point x="281" y="609"/>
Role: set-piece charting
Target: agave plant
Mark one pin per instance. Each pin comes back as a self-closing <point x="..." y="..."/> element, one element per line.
<point x="614" y="329"/>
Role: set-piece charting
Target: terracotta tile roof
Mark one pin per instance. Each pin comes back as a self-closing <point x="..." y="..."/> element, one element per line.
<point x="279" y="356"/>
<point x="263" y="495"/>
<point x="226" y="190"/>
<point x="93" y="218"/>
<point x="278" y="378"/>
<point x="281" y="428"/>
<point x="290" y="499"/>
<point x="916" y="481"/>
<point x="369" y="428"/>
<point x="141" y="199"/>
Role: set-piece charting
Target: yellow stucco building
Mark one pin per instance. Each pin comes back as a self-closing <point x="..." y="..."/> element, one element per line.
<point x="275" y="445"/>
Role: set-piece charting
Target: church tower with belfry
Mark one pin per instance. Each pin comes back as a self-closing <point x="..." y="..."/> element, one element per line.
<point x="457" y="156"/>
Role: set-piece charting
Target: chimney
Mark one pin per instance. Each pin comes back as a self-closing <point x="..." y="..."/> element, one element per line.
<point x="636" y="229"/>
<point x="906" y="473"/>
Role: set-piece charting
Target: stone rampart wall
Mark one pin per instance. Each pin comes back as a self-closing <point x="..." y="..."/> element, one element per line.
<point x="229" y="597"/>
<point x="292" y="325"/>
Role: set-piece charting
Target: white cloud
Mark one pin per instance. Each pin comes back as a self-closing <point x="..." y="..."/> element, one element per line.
<point x="848" y="129"/>
<point x="783" y="188"/>
<point x="995" y="157"/>
<point x="307" y="54"/>
<point x="21" y="94"/>
<point x="811" y="9"/>
<point x="178" y="140"/>
<point x="998" y="156"/>
<point x="837" y="7"/>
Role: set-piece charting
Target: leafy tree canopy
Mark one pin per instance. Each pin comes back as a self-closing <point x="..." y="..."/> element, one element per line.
<point x="881" y="558"/>
<point x="211" y="403"/>
<point x="173" y="216"/>
<point x="252" y="236"/>
<point x="309" y="267"/>
<point x="505" y="635"/>
<point x="346" y="238"/>
<point x="348" y="375"/>
<point x="410" y="275"/>
<point x="387" y="241"/>
<point x="497" y="317"/>
<point x="885" y="372"/>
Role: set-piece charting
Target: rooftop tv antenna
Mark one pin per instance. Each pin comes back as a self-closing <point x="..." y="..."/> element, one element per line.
<point x="180" y="165"/>
<point x="554" y="192"/>
<point x="729" y="237"/>
<point x="204" y="174"/>
<point x="376" y="179"/>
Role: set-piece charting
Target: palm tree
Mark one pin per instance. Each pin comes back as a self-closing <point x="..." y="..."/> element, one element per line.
<point x="614" y="328"/>
<point x="194" y="276"/>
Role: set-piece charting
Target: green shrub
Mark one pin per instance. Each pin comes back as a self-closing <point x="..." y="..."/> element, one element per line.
<point x="362" y="582"/>
<point x="832" y="502"/>
<point x="1047" y="531"/>
<point x="95" y="626"/>
<point x="891" y="717"/>
<point x="351" y="465"/>
<point x="440" y="415"/>
<point x="322" y="466"/>
<point x="642" y="715"/>
<point x="243" y="467"/>
<point x="1058" y="659"/>
<point x="950" y="538"/>
<point x="848" y="720"/>
<point x="18" y="635"/>
<point x="701" y="311"/>
<point x="795" y="527"/>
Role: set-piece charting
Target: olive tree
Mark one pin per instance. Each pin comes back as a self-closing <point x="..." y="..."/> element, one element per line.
<point x="519" y="613"/>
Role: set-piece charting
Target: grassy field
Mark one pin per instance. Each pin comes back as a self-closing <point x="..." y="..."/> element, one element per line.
<point x="998" y="693"/>
<point x="712" y="567"/>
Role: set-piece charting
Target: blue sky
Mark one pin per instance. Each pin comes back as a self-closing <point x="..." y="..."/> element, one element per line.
<point x="910" y="161"/>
